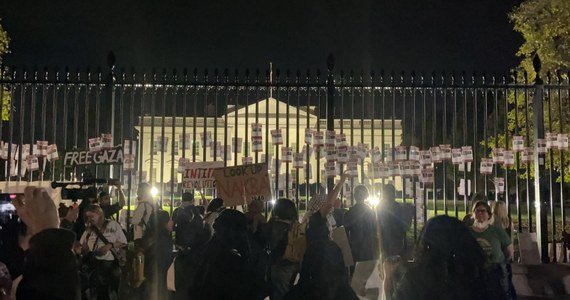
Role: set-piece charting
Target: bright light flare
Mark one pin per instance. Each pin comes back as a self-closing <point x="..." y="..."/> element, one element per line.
<point x="154" y="191"/>
<point x="373" y="200"/>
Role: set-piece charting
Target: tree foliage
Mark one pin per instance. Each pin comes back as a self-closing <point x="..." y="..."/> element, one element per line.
<point x="4" y="48"/>
<point x="545" y="27"/>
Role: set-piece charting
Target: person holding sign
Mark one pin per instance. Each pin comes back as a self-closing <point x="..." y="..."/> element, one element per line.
<point x="319" y="217"/>
<point x="105" y="202"/>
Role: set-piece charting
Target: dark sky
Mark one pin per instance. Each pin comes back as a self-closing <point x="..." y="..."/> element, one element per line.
<point x="421" y="35"/>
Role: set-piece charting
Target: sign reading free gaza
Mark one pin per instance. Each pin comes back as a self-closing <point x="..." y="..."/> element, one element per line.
<point x="242" y="184"/>
<point x="85" y="157"/>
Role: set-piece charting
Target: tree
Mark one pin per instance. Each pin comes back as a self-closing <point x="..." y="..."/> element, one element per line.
<point x="545" y="27"/>
<point x="4" y="44"/>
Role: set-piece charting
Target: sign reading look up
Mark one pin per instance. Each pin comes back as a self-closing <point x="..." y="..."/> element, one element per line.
<point x="242" y="184"/>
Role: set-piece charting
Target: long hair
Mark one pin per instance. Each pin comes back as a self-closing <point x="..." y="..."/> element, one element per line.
<point x="447" y="247"/>
<point x="500" y="214"/>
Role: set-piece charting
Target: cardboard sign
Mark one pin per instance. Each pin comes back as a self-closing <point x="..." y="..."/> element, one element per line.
<point x="331" y="138"/>
<point x="330" y="169"/>
<point x="308" y="136"/>
<point x="340" y="238"/>
<point x="551" y="140"/>
<point x="276" y="137"/>
<point x="342" y="155"/>
<point x="106" y="141"/>
<point x="85" y="157"/>
<point x="331" y="154"/>
<point x="425" y="157"/>
<point x="297" y="160"/>
<point x="237" y="142"/>
<point x="256" y="144"/>
<point x="486" y="166"/>
<point x="256" y="130"/>
<point x="445" y="152"/>
<point x="129" y="162"/>
<point x="456" y="156"/>
<point x="95" y="144"/>
<point x="435" y="154"/>
<point x="467" y="153"/>
<point x="498" y="156"/>
<point x="243" y="184"/>
<point x="401" y="153"/>
<point x="509" y="158"/>
<point x="562" y="141"/>
<point x="198" y="175"/>
<point x="518" y="143"/>
<point x="318" y="138"/>
<point x="341" y="140"/>
<point x="42" y="148"/>
<point x="287" y="154"/>
<point x="527" y="155"/>
<point x="541" y="146"/>
<point x="52" y="152"/>
<point x="181" y="164"/>
<point x="414" y="153"/>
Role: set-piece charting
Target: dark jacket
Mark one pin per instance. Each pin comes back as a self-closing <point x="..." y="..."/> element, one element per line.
<point x="360" y="224"/>
<point x="393" y="227"/>
<point x="317" y="228"/>
<point x="158" y="257"/>
<point x="50" y="269"/>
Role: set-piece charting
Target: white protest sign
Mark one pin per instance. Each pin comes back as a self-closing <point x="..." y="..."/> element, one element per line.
<point x="129" y="162"/>
<point x="541" y="146"/>
<point x="562" y="141"/>
<point x="95" y="144"/>
<point x="33" y="163"/>
<point x="331" y="138"/>
<point x="376" y="155"/>
<point x="445" y="152"/>
<point x="427" y="176"/>
<point x="276" y="137"/>
<point x="467" y="153"/>
<point x="498" y="156"/>
<point x="435" y="154"/>
<point x="527" y="155"/>
<point x="509" y="158"/>
<point x="518" y="143"/>
<point x="414" y="153"/>
<point x="330" y="170"/>
<point x="52" y="152"/>
<point x="256" y="144"/>
<point x="352" y="167"/>
<point x="341" y="140"/>
<point x="342" y="155"/>
<point x="331" y="154"/>
<point x="297" y="160"/>
<point x="106" y="141"/>
<point x="181" y="164"/>
<point x="42" y="148"/>
<point x="499" y="184"/>
<point x="551" y="140"/>
<point x="84" y="157"/>
<point x="486" y="166"/>
<point x="401" y="153"/>
<point x="256" y="130"/>
<point x="318" y="138"/>
<point x="456" y="156"/>
<point x="425" y="157"/>
<point x="199" y="175"/>
<point x="287" y="154"/>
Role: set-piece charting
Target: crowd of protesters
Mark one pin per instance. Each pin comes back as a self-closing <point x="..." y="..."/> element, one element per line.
<point x="210" y="251"/>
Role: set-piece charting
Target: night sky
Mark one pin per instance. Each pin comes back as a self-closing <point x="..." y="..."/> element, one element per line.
<point x="400" y="35"/>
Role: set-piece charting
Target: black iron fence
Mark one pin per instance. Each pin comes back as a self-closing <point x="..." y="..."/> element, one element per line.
<point x="437" y="137"/>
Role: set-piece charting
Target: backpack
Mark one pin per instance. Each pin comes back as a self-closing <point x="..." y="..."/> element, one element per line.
<point x="189" y="226"/>
<point x="296" y="243"/>
<point x="135" y="265"/>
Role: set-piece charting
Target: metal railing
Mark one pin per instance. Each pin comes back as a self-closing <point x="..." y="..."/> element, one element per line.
<point x="373" y="111"/>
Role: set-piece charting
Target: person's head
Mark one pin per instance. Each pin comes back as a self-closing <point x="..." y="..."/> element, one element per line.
<point x="215" y="205"/>
<point x="104" y="198"/>
<point x="161" y="221"/>
<point x="285" y="209"/>
<point x="323" y="266"/>
<point x="360" y="193"/>
<point x="388" y="193"/>
<point x="500" y="213"/>
<point x="188" y="197"/>
<point x="447" y="246"/>
<point x="143" y="192"/>
<point x="481" y="211"/>
<point x="94" y="215"/>
<point x="230" y="228"/>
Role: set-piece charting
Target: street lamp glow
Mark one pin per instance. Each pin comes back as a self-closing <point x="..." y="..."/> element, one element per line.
<point x="154" y="191"/>
<point x="373" y="200"/>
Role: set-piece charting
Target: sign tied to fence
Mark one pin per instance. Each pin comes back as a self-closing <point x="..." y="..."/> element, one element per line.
<point x="86" y="157"/>
<point x="198" y="175"/>
<point x="242" y="184"/>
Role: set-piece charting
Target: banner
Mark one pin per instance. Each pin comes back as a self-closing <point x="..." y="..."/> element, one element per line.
<point x="85" y="157"/>
<point x="199" y="175"/>
<point x="243" y="184"/>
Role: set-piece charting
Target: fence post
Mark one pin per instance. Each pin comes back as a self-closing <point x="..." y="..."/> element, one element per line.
<point x="107" y="123"/>
<point x="330" y="108"/>
<point x="540" y="178"/>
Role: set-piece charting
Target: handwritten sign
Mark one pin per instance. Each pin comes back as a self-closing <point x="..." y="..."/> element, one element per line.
<point x="85" y="157"/>
<point x="198" y="175"/>
<point x="242" y="184"/>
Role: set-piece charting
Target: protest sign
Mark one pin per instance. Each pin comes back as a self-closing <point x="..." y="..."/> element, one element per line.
<point x="85" y="157"/>
<point x="242" y="184"/>
<point x="198" y="175"/>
